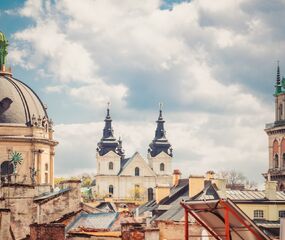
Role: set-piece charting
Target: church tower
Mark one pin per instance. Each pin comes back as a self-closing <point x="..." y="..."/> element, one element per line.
<point x="109" y="150"/>
<point x="276" y="136"/>
<point x="160" y="151"/>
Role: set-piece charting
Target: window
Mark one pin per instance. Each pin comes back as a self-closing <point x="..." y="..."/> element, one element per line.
<point x="258" y="214"/>
<point x="137" y="191"/>
<point x="280" y="111"/>
<point x="137" y="171"/>
<point x="161" y="167"/>
<point x="276" y="161"/>
<point x="46" y="178"/>
<point x="111" y="166"/>
<point x="282" y="213"/>
<point x="283" y="164"/>
<point x="46" y="167"/>
<point x="111" y="189"/>
<point x="149" y="194"/>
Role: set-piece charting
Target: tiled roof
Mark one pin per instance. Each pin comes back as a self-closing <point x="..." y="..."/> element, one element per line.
<point x="93" y="221"/>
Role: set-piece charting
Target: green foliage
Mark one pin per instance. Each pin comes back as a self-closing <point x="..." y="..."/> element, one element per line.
<point x="16" y="158"/>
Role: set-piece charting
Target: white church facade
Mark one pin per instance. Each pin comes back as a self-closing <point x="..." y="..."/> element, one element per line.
<point x="132" y="178"/>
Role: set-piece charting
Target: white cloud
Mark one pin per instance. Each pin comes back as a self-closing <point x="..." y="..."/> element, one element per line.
<point x="203" y="57"/>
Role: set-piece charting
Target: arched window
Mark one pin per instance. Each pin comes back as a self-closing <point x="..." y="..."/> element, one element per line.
<point x="46" y="167"/>
<point x="111" y="189"/>
<point x="280" y="111"/>
<point x="46" y="178"/>
<point x="283" y="160"/>
<point x="276" y="161"/>
<point x="161" y="167"/>
<point x="137" y="171"/>
<point x="111" y="166"/>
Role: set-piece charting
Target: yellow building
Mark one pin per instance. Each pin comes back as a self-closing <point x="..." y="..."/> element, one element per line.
<point x="264" y="207"/>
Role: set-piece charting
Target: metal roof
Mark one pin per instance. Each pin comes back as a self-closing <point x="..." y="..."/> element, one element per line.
<point x="93" y="221"/>
<point x="49" y="195"/>
<point x="18" y="102"/>
<point x="211" y="193"/>
<point x="222" y="217"/>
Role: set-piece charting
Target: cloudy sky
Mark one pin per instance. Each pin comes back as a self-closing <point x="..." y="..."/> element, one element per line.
<point x="211" y="63"/>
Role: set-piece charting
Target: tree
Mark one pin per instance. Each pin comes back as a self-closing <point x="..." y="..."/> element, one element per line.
<point x="235" y="178"/>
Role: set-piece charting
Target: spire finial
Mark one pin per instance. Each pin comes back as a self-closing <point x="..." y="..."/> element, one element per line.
<point x="108" y="109"/>
<point x="278" y="74"/>
<point x="160" y="110"/>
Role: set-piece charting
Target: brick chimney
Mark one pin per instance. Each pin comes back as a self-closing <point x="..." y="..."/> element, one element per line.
<point x="161" y="191"/>
<point x="196" y="184"/>
<point x="176" y="177"/>
<point x="271" y="190"/>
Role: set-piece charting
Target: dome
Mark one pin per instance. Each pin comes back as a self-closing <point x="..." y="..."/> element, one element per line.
<point x="19" y="104"/>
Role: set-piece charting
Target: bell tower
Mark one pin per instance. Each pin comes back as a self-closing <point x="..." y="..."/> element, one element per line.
<point x="110" y="152"/>
<point x="160" y="150"/>
<point x="276" y="136"/>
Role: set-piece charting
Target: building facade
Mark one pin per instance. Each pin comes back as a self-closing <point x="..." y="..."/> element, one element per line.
<point x="27" y="151"/>
<point x="276" y="136"/>
<point x="132" y="178"/>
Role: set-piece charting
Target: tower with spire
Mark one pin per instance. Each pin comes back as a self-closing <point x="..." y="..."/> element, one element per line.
<point x="109" y="150"/>
<point x="276" y="135"/>
<point x="160" y="150"/>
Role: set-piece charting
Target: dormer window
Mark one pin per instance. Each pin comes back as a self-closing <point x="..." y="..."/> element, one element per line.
<point x="111" y="166"/>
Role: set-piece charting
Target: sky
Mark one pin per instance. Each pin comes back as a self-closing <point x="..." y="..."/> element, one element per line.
<point x="211" y="63"/>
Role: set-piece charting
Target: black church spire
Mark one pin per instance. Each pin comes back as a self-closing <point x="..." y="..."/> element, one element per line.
<point x="108" y="141"/>
<point x="160" y="143"/>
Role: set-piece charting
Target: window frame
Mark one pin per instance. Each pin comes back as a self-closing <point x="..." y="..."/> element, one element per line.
<point x="281" y="213"/>
<point x="258" y="214"/>
<point x="137" y="171"/>
<point x="162" y="167"/>
<point x="111" y="189"/>
<point x="111" y="166"/>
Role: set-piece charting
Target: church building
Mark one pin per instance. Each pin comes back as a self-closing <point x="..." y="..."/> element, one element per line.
<point x="276" y="136"/>
<point x="132" y="178"/>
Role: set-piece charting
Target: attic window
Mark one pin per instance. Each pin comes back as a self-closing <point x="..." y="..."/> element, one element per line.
<point x="258" y="214"/>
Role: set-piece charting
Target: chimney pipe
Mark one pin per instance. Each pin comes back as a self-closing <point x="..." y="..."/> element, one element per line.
<point x="176" y="177"/>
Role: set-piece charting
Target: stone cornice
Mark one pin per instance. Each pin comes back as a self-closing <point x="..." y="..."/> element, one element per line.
<point x="28" y="139"/>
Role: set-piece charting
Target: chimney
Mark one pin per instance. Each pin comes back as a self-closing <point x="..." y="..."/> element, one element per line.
<point x="196" y="185"/>
<point x="271" y="190"/>
<point x="176" y="177"/>
<point x="221" y="184"/>
<point x="210" y="175"/>
<point x="161" y="191"/>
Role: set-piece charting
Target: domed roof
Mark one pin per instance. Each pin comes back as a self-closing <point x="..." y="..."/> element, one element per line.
<point x="18" y="103"/>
